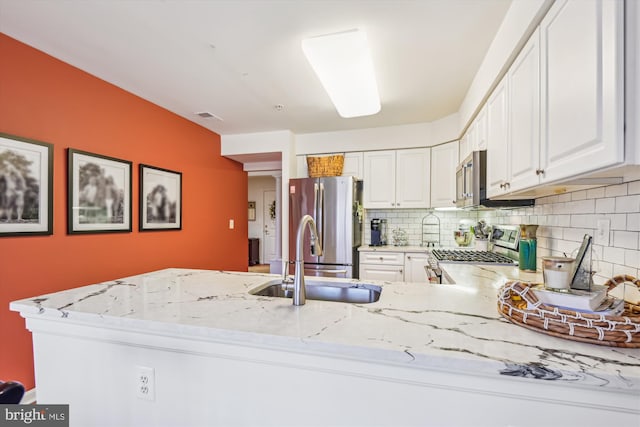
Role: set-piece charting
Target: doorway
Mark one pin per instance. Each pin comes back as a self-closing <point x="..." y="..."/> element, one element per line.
<point x="269" y="220"/>
<point x="262" y="192"/>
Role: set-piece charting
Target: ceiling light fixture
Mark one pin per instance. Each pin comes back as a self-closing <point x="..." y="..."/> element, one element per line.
<point x="343" y="64"/>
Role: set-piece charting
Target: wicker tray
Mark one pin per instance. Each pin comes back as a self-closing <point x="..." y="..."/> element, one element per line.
<point x="616" y="331"/>
<point x="319" y="167"/>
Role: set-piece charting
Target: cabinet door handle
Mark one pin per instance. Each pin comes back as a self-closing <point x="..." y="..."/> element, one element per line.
<point x="507" y="185"/>
<point x="539" y="171"/>
<point x="502" y="186"/>
<point x="409" y="257"/>
<point x="381" y="259"/>
<point x="397" y="204"/>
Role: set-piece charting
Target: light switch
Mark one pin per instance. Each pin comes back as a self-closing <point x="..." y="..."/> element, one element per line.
<point x="231" y="224"/>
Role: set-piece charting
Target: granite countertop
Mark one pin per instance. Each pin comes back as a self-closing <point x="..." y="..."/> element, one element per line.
<point x="454" y="327"/>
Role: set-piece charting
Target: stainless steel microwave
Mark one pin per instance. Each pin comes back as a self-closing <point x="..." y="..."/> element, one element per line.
<point x="471" y="184"/>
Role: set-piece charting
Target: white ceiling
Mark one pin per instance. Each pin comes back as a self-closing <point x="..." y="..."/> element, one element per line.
<point x="239" y="59"/>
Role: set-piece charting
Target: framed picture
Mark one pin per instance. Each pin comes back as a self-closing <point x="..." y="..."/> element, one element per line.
<point x="26" y="187"/>
<point x="252" y="211"/>
<point x="160" y="199"/>
<point x="99" y="194"/>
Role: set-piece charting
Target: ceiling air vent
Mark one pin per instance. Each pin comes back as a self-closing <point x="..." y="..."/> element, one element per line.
<point x="208" y="115"/>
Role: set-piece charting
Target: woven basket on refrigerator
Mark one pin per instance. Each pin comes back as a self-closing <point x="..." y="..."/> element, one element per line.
<point x="325" y="165"/>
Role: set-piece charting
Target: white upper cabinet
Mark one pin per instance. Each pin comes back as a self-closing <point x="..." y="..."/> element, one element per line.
<point x="513" y="111"/>
<point x="444" y="160"/>
<point x="480" y="125"/>
<point x="559" y="112"/>
<point x="353" y="165"/>
<point x="396" y="179"/>
<point x="379" y="184"/>
<point x="497" y="141"/>
<point x="475" y="138"/>
<point x="582" y="79"/>
<point x="471" y="139"/>
<point x="524" y="116"/>
<point x="464" y="148"/>
<point x="413" y="179"/>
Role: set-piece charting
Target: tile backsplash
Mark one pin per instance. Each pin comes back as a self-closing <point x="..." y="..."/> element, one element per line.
<point x="563" y="221"/>
<point x="410" y="220"/>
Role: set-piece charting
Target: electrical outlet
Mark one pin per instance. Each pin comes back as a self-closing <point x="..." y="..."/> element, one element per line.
<point x="145" y="383"/>
<point x="602" y="232"/>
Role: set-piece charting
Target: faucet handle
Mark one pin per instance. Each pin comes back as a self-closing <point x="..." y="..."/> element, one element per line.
<point x="285" y="272"/>
<point x="287" y="286"/>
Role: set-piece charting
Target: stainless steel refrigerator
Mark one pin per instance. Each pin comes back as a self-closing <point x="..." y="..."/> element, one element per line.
<point x="335" y="205"/>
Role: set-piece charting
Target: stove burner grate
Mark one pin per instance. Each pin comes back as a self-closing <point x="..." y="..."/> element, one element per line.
<point x="470" y="256"/>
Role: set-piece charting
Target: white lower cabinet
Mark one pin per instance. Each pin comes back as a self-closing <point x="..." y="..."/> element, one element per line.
<point x="388" y="273"/>
<point x="414" y="263"/>
<point x="393" y="266"/>
<point x="387" y="266"/>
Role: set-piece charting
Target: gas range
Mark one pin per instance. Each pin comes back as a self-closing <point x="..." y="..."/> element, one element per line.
<point x="505" y="238"/>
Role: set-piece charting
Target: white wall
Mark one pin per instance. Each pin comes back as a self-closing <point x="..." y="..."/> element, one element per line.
<point x="250" y="143"/>
<point x="268" y="142"/>
<point x="518" y="24"/>
<point x="380" y="138"/>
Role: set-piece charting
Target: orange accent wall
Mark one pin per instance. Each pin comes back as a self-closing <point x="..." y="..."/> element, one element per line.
<point x="45" y="99"/>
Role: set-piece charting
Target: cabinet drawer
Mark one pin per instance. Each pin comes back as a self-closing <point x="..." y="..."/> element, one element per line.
<point x="391" y="258"/>
<point x="388" y="273"/>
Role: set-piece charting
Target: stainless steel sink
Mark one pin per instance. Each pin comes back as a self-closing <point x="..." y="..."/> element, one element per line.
<point x="359" y="293"/>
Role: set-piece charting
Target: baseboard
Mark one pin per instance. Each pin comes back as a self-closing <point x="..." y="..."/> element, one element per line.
<point x="29" y="397"/>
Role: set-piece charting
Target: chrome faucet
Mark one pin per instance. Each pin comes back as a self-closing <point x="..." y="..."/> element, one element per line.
<point x="299" y="290"/>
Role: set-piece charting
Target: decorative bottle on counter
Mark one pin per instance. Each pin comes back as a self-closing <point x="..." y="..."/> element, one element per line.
<point x="527" y="247"/>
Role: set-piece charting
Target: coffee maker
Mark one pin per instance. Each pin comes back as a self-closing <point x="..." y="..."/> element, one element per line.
<point x="378" y="232"/>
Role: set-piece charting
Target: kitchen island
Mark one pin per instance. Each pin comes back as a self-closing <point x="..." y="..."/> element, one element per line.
<point x="182" y="347"/>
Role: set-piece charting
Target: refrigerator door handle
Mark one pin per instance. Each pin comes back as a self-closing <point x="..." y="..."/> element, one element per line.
<point x="320" y="218"/>
<point x="335" y="271"/>
<point x="315" y="201"/>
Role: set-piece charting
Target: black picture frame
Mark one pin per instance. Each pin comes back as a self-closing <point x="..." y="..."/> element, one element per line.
<point x="160" y="194"/>
<point x="99" y="193"/>
<point x="26" y="186"/>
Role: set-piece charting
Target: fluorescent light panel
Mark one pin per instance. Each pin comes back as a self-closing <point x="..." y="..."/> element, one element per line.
<point x="343" y="64"/>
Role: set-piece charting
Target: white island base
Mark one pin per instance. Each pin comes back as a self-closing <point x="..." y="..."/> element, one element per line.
<point x="214" y="376"/>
